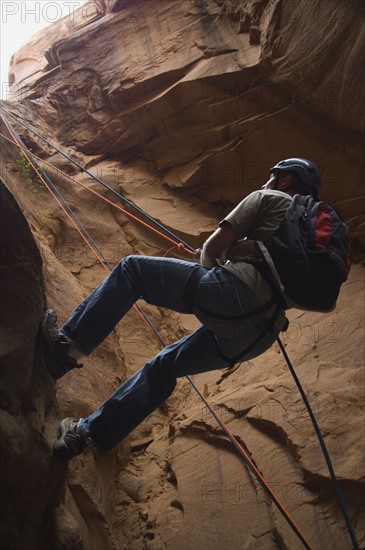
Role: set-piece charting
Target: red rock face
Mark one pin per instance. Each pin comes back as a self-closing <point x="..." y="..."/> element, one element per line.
<point x="184" y="107"/>
<point x="31" y="480"/>
<point x="182" y="86"/>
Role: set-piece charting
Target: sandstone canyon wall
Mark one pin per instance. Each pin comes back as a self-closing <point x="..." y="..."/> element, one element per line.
<point x="32" y="515"/>
<point x="183" y="107"/>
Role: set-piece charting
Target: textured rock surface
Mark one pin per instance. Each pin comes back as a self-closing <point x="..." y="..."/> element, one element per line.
<point x="191" y="92"/>
<point x="32" y="482"/>
<point x="184" y="106"/>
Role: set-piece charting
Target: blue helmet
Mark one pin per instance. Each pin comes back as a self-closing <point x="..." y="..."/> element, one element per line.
<point x="306" y="170"/>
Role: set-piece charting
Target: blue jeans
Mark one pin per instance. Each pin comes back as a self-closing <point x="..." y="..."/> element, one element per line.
<point x="230" y="332"/>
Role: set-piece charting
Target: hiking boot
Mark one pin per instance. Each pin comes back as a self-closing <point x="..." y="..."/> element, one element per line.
<point x="71" y="442"/>
<point x="56" y="345"/>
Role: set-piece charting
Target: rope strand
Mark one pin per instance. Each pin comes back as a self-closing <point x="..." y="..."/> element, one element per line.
<point x="101" y="182"/>
<point x="178" y="245"/>
<point x="225" y="429"/>
<point x="72" y="217"/>
<point x="339" y="496"/>
<point x="182" y="245"/>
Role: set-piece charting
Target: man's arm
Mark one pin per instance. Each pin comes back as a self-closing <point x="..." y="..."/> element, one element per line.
<point x="214" y="246"/>
<point x="238" y="224"/>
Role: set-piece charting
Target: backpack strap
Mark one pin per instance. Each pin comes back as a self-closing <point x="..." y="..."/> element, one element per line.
<point x="266" y="272"/>
<point x="273" y="275"/>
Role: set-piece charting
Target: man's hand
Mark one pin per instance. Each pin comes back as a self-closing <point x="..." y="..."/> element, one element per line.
<point x="198" y="253"/>
<point x="214" y="246"/>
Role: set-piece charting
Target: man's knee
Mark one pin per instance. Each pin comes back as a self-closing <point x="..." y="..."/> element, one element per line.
<point x="127" y="266"/>
<point x="160" y="371"/>
<point x="128" y="260"/>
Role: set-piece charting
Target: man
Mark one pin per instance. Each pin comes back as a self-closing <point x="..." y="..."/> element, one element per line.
<point x="241" y="307"/>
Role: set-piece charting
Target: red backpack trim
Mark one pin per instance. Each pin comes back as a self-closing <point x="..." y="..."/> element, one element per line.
<point x="324" y="228"/>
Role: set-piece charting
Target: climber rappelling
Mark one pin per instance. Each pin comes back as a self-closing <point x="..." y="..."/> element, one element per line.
<point x="279" y="248"/>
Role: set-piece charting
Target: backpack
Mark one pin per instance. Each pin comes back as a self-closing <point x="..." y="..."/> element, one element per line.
<point x="311" y="253"/>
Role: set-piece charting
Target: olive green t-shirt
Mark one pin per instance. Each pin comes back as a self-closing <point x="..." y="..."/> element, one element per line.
<point x="256" y="218"/>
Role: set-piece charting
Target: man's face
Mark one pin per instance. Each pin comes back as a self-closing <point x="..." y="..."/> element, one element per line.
<point x="271" y="183"/>
<point x="285" y="181"/>
<point x="281" y="181"/>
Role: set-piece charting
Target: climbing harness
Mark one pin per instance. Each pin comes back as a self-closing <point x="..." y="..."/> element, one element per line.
<point x="182" y="246"/>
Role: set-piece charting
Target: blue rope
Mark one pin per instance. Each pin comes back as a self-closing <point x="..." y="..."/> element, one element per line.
<point x="79" y="223"/>
<point x="324" y="448"/>
<point x="51" y="184"/>
<point x="101" y="182"/>
<point x="304" y="397"/>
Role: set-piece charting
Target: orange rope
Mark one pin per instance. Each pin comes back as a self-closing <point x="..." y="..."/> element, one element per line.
<point x="99" y="258"/>
<point x="159" y="233"/>
<point x="34" y="166"/>
<point x="255" y="470"/>
<point x="228" y="431"/>
<point x="180" y="247"/>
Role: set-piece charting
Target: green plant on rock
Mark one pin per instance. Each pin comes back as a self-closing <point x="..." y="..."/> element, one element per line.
<point x="43" y="217"/>
<point x="28" y="174"/>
